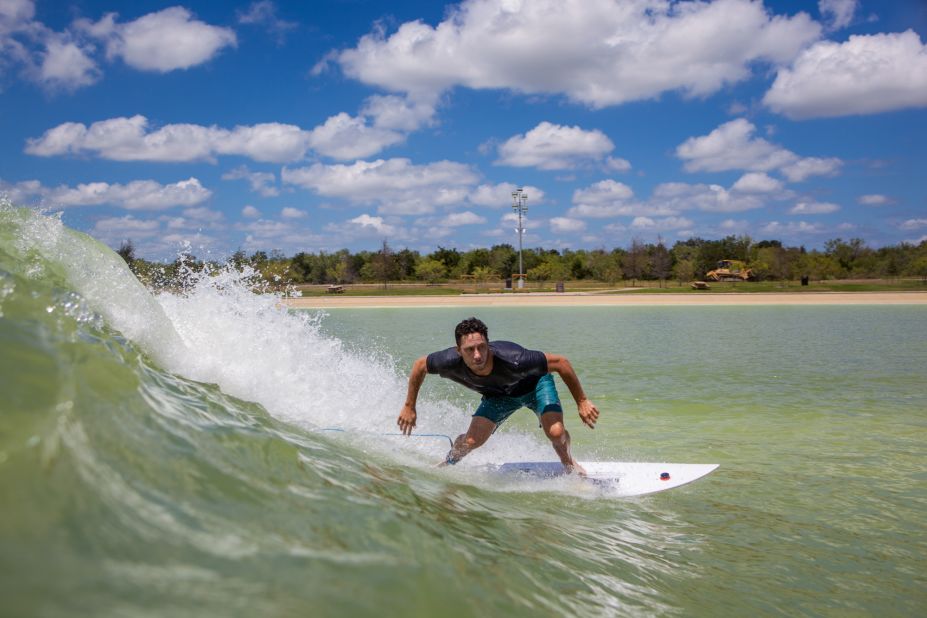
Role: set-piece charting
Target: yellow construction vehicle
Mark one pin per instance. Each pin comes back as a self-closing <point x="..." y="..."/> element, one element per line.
<point x="730" y="270"/>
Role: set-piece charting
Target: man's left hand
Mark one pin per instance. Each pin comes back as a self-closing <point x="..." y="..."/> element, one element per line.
<point x="588" y="413"/>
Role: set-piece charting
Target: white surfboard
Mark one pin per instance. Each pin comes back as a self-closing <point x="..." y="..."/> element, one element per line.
<point x="623" y="478"/>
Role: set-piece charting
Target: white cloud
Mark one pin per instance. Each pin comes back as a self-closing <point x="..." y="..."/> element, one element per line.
<point x="67" y="65"/>
<point x="617" y="165"/>
<point x="796" y="228"/>
<point x="733" y="225"/>
<point x="500" y="195"/>
<point x="811" y="166"/>
<point x="606" y="198"/>
<point x="345" y="137"/>
<point x="264" y="13"/>
<point x="122" y="228"/>
<point x="757" y="182"/>
<point x="813" y="208"/>
<point x="250" y="211"/>
<point x="732" y="146"/>
<point x="261" y="182"/>
<point x="913" y="224"/>
<point x="135" y="195"/>
<point x="163" y="41"/>
<point x="203" y="214"/>
<point x="128" y="139"/>
<point x="375" y="224"/>
<point x="554" y="147"/>
<point x="463" y="218"/>
<point x="397" y="186"/>
<point x="837" y="13"/>
<point x="598" y="52"/>
<point x="661" y="225"/>
<point x="678" y="196"/>
<point x="874" y="199"/>
<point x="289" y="212"/>
<point x="565" y="225"/>
<point x="867" y="74"/>
<point x="399" y="113"/>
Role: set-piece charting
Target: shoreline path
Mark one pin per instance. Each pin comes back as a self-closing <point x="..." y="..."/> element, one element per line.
<point x="553" y="299"/>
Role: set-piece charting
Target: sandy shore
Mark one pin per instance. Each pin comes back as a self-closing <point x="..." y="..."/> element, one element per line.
<point x="632" y="300"/>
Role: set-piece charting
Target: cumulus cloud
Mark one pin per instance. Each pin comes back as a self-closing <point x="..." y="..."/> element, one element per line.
<point x="661" y="225"/>
<point x="116" y="229"/>
<point x="500" y="195"/>
<point x="346" y="137"/>
<point x="129" y="139"/>
<point x="597" y="52"/>
<point x="813" y="208"/>
<point x="732" y="146"/>
<point x="463" y="218"/>
<point x="135" y="195"/>
<point x="566" y="225"/>
<point x="164" y="41"/>
<point x="837" y="13"/>
<point x="399" y="113"/>
<point x="289" y="212"/>
<point x="794" y="228"/>
<point x="913" y="224"/>
<point x="554" y="147"/>
<point x="396" y="186"/>
<point x="803" y="169"/>
<point x="251" y="212"/>
<point x="679" y="196"/>
<point x="867" y="74"/>
<point x="757" y="182"/>
<point x="261" y="182"/>
<point x="376" y="225"/>
<point x="264" y="13"/>
<point x="604" y="199"/>
<point x="874" y="199"/>
<point x="341" y="136"/>
<point x="66" y="64"/>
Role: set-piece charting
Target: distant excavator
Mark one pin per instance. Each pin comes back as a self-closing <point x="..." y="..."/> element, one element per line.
<point x="730" y="270"/>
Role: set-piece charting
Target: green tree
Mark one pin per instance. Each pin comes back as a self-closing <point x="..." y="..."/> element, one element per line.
<point x="684" y="271"/>
<point x="126" y="251"/>
<point x="430" y="270"/>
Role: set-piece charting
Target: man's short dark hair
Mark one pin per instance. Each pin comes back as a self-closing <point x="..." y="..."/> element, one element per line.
<point x="468" y="326"/>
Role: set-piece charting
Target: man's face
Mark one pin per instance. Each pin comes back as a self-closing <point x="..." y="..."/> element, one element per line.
<point x="474" y="349"/>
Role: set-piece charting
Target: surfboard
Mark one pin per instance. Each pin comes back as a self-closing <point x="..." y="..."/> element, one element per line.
<point x="623" y="478"/>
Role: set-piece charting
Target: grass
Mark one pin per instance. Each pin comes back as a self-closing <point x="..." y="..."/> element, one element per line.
<point x="625" y="287"/>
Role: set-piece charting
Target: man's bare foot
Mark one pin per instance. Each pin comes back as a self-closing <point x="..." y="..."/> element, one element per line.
<point x="575" y="467"/>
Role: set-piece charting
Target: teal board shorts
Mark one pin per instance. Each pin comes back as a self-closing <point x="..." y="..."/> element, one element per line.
<point x="542" y="399"/>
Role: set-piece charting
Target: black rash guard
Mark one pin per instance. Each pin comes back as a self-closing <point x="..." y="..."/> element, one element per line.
<point x="515" y="370"/>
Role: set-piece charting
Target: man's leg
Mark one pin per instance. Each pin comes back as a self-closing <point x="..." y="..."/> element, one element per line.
<point x="559" y="437"/>
<point x="480" y="430"/>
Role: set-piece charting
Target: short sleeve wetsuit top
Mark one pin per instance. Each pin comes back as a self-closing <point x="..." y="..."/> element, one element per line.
<point x="515" y="370"/>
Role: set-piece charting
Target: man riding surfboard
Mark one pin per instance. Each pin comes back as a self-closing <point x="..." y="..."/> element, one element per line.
<point x="509" y="377"/>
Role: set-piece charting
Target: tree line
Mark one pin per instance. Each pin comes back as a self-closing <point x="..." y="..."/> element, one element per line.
<point x="685" y="261"/>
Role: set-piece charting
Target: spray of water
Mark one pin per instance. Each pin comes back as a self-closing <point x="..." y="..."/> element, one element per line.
<point x="216" y="329"/>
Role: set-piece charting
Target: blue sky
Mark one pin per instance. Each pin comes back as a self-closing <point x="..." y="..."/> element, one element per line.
<point x="337" y="124"/>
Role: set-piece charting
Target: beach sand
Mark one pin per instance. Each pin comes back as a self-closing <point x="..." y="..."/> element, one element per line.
<point x="552" y="299"/>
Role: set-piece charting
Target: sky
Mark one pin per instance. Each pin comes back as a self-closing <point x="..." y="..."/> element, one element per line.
<point x="316" y="126"/>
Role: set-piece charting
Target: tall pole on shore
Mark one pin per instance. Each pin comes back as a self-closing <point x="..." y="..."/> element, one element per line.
<point x="520" y="205"/>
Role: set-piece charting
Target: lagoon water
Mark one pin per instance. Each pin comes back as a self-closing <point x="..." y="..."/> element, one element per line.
<point x="168" y="455"/>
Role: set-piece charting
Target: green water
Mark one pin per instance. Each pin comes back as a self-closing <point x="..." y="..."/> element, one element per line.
<point x="161" y="456"/>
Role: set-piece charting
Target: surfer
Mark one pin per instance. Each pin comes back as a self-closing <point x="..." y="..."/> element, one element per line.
<point x="509" y="377"/>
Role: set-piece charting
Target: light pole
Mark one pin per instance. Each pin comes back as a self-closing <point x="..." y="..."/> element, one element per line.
<point x="520" y="205"/>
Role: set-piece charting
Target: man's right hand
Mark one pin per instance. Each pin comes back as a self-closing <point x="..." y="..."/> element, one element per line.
<point x="406" y="420"/>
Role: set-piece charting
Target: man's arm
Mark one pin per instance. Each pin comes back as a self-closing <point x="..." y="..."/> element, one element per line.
<point x="588" y="413"/>
<point x="407" y="416"/>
